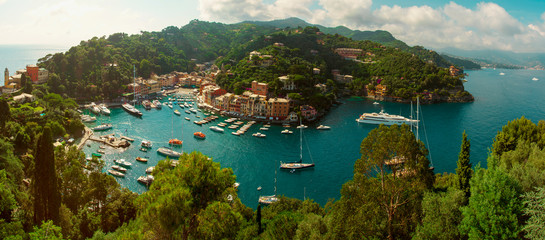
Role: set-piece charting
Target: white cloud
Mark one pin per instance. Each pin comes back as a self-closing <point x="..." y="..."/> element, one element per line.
<point x="486" y="26"/>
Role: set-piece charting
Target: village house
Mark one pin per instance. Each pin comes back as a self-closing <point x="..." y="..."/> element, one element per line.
<point x="278" y="108"/>
<point x="308" y="112"/>
<point x="260" y="88"/>
<point x="288" y="84"/>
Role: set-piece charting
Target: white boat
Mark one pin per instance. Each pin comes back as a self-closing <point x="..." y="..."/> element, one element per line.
<point x="104" y="110"/>
<point x="177" y="112"/>
<point x="131" y="109"/>
<point x="103" y="127"/>
<point x="385" y="118"/>
<point x="188" y="112"/>
<point x="119" y="168"/>
<point x="323" y="127"/>
<point x="237" y="133"/>
<point x="186" y="118"/>
<point x="193" y="110"/>
<point x="501" y="74"/>
<point x="88" y="119"/>
<point x="286" y="131"/>
<point x="264" y="129"/>
<point x="268" y="199"/>
<point x="258" y="134"/>
<point x="150" y="170"/>
<point x="216" y="129"/>
<point x="535" y="79"/>
<point x="146" y="180"/>
<point x="116" y="173"/>
<point x="376" y="103"/>
<point x="168" y="152"/>
<point x="146" y="144"/>
<point x="157" y="104"/>
<point x="170" y="105"/>
<point x="302" y="126"/>
<point x="122" y="162"/>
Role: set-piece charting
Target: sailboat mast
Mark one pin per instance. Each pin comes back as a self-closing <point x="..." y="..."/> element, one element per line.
<point x="300" y="140"/>
<point x="134" y="81"/>
<point x="417" y="116"/>
<point x="274" y="182"/>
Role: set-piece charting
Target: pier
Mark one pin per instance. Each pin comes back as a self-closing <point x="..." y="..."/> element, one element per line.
<point x="109" y="139"/>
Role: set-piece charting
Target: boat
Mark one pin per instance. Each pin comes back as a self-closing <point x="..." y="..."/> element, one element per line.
<point x="147" y="104"/>
<point x="299" y="164"/>
<point x="150" y="170"/>
<point x="100" y="151"/>
<point x="237" y="133"/>
<point x="104" y="110"/>
<point x="264" y="129"/>
<point x="376" y="103"/>
<point x="186" y="118"/>
<point x="103" y="127"/>
<point x="168" y="152"/>
<point x="88" y="119"/>
<point x="157" y="104"/>
<point x="199" y="135"/>
<point x="193" y="110"/>
<point x="258" y="134"/>
<point x="175" y="142"/>
<point x="102" y="147"/>
<point x="143" y="149"/>
<point x="216" y="129"/>
<point x="96" y="155"/>
<point x="94" y="108"/>
<point x="170" y="105"/>
<point x="385" y="118"/>
<point x="115" y="173"/>
<point x="122" y="162"/>
<point x="177" y="112"/>
<point x="323" y="127"/>
<point x="302" y="126"/>
<point x="501" y="74"/>
<point x="187" y="111"/>
<point x="146" y="180"/>
<point x="286" y="126"/>
<point x="141" y="159"/>
<point x="146" y="144"/>
<point x="131" y="109"/>
<point x="119" y="168"/>
<point x="286" y="131"/>
<point x="535" y="79"/>
<point x="266" y="200"/>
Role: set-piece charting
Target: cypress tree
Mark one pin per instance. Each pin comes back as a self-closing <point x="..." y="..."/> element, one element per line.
<point x="47" y="198"/>
<point x="463" y="170"/>
<point x="258" y="217"/>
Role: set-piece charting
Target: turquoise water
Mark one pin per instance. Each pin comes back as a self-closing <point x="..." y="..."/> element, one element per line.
<point x="255" y="160"/>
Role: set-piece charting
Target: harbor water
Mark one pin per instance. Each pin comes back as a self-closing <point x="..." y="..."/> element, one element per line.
<point x="255" y="161"/>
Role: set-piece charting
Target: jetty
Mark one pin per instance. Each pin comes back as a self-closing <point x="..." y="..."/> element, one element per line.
<point x="109" y="139"/>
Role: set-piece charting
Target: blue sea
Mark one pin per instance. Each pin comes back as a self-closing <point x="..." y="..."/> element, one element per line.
<point x="255" y="161"/>
<point x="16" y="57"/>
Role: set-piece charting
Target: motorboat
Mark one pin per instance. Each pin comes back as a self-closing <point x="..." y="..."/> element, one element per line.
<point x="385" y="118"/>
<point x="264" y="129"/>
<point x="115" y="173"/>
<point x="199" y="135"/>
<point x="147" y="104"/>
<point x="150" y="170"/>
<point x="302" y="126"/>
<point x="177" y="112"/>
<point x="268" y="199"/>
<point x="258" y="134"/>
<point x="286" y="131"/>
<point x="131" y="109"/>
<point x="216" y="129"/>
<point x="501" y="74"/>
<point x="534" y="79"/>
<point x="376" y="103"/>
<point x="119" y="168"/>
<point x="122" y="162"/>
<point x="103" y="127"/>
<point x="104" y="110"/>
<point x="168" y="152"/>
<point x="88" y="119"/>
<point x="146" y="180"/>
<point x="323" y="127"/>
<point x="157" y="104"/>
<point x="146" y="144"/>
<point x="175" y="142"/>
<point x="186" y="118"/>
<point x="100" y="151"/>
<point x="141" y="159"/>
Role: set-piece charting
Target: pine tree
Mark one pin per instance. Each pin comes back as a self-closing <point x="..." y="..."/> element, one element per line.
<point x="47" y="199"/>
<point x="463" y="170"/>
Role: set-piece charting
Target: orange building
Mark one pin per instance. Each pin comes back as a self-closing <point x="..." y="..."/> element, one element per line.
<point x="260" y="88"/>
<point x="278" y="108"/>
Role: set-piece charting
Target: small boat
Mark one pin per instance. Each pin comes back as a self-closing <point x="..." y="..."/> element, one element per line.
<point x="237" y="133"/>
<point x="146" y="180"/>
<point x="146" y="144"/>
<point x="100" y="151"/>
<point x="199" y="135"/>
<point x="268" y="199"/>
<point x="188" y="112"/>
<point x="103" y="127"/>
<point x="286" y="131"/>
<point x="302" y="126"/>
<point x="376" y="103"/>
<point x="186" y="118"/>
<point x="168" y="152"/>
<point x="236" y="185"/>
<point x="119" y="168"/>
<point x="170" y="105"/>
<point x="177" y="112"/>
<point x="501" y="74"/>
<point x="197" y="116"/>
<point x="88" y="119"/>
<point x="286" y="126"/>
<point x="535" y="79"/>
<point x="258" y="134"/>
<point x="143" y="149"/>
<point x="323" y="127"/>
<point x="141" y="159"/>
<point x="102" y="147"/>
<point x="264" y="129"/>
<point x="96" y="155"/>
<point x="216" y="129"/>
<point x="175" y="142"/>
<point x="259" y="188"/>
<point x="150" y="170"/>
<point x="157" y="104"/>
<point x="115" y="173"/>
<point x="147" y="104"/>
<point x="233" y="127"/>
<point x="122" y="162"/>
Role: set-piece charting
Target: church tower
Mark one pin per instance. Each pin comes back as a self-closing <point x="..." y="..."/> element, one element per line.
<point x="6" y="77"/>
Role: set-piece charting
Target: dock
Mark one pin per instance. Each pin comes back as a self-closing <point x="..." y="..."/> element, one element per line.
<point x="109" y="139"/>
<point x="127" y="138"/>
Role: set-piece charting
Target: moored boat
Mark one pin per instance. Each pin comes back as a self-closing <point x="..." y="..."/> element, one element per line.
<point x="146" y="180"/>
<point x="216" y="129"/>
<point x="268" y="199"/>
<point x="168" y="152"/>
<point x="157" y="104"/>
<point x="385" y="118"/>
<point x="122" y="162"/>
<point x="199" y="135"/>
<point x="258" y="134"/>
<point x="116" y="173"/>
<point x="150" y="170"/>
<point x="131" y="109"/>
<point x="286" y="131"/>
<point x="146" y="144"/>
<point x="103" y="127"/>
<point x="323" y="127"/>
<point x="141" y="159"/>
<point x="147" y="104"/>
<point x="295" y="165"/>
<point x="119" y="168"/>
<point x="104" y="110"/>
<point x="175" y="142"/>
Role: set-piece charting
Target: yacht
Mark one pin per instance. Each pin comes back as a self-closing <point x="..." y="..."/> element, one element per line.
<point x="146" y="180"/>
<point x="104" y="110"/>
<point x="323" y="127"/>
<point x="299" y="164"/>
<point x="147" y="104"/>
<point x="168" y="152"/>
<point x="385" y="118"/>
<point x="146" y="144"/>
<point x="88" y="119"/>
<point x="103" y="127"/>
<point x="119" y="168"/>
<point x="131" y="109"/>
<point x="122" y="162"/>
<point x="116" y="173"/>
<point x="216" y="129"/>
<point x="268" y="199"/>
<point x="157" y="104"/>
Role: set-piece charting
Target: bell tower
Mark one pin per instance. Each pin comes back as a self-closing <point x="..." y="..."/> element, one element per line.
<point x="6" y="77"/>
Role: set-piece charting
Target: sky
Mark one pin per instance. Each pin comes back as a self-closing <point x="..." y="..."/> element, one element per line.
<point x="509" y="25"/>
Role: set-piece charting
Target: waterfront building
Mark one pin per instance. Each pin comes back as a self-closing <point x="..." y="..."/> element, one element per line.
<point x="308" y="112"/>
<point x="134" y="88"/>
<point x="278" y="108"/>
<point x="260" y="88"/>
<point x="210" y="92"/>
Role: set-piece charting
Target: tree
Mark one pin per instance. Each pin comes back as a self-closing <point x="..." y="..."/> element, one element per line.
<point x="26" y="84"/>
<point x="46" y="231"/>
<point x="494" y="206"/>
<point x="47" y="200"/>
<point x="463" y="170"/>
<point x="441" y="215"/>
<point x="535" y="210"/>
<point x="5" y="113"/>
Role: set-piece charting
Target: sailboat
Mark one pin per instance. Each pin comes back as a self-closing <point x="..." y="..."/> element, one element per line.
<point x="127" y="106"/>
<point x="270" y="198"/>
<point x="299" y="164"/>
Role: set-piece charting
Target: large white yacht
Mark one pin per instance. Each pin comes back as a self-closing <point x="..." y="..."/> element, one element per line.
<point x="385" y="118"/>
